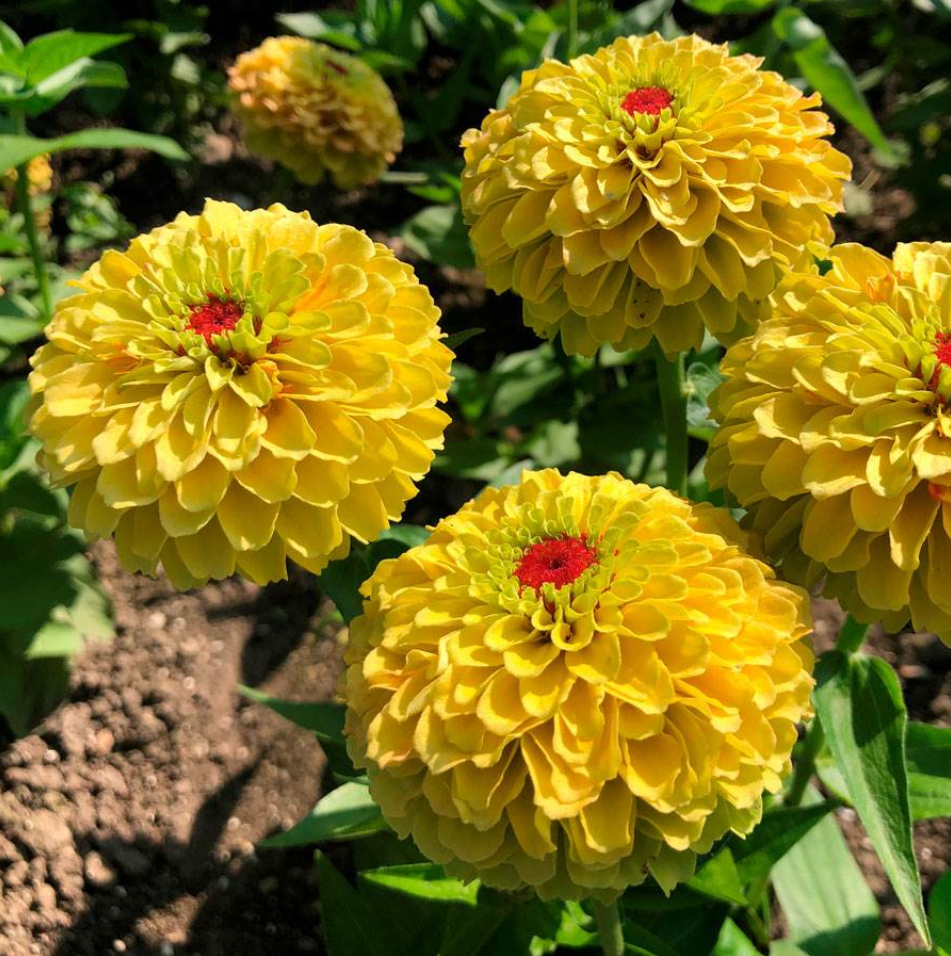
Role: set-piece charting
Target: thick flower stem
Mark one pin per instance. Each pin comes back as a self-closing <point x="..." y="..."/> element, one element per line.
<point x="25" y="205"/>
<point x="571" y="41"/>
<point x="608" y="919"/>
<point x="851" y="636"/>
<point x="673" y="400"/>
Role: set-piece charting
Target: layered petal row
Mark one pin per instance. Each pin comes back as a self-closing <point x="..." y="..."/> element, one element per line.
<point x="241" y="388"/>
<point x="836" y="433"/>
<point x="575" y="682"/>
<point x="650" y="190"/>
<point x="316" y="111"/>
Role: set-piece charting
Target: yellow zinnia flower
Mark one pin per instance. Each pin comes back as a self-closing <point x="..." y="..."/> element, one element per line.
<point x="574" y="682"/>
<point x="836" y="432"/>
<point x="649" y="190"/>
<point x="316" y="110"/>
<point x="239" y="388"/>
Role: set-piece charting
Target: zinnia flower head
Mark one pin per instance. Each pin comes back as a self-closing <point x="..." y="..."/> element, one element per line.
<point x="238" y="388"/>
<point x="836" y="432"/>
<point x="575" y="682"/>
<point x="651" y="189"/>
<point x="316" y="111"/>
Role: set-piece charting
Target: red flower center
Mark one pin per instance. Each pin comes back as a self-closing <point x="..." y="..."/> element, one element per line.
<point x="555" y="561"/>
<point x="647" y="99"/>
<point x="215" y="316"/>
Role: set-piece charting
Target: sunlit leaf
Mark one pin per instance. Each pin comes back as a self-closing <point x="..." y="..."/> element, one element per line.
<point x="860" y="705"/>
<point x="426" y="881"/>
<point x="826" y="71"/>
<point x="16" y="150"/>
<point x="344" y="814"/>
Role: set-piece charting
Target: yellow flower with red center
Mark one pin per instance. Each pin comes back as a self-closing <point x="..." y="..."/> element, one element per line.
<point x="650" y="190"/>
<point x="239" y="388"/>
<point x="316" y="111"/>
<point x="836" y="432"/>
<point x="575" y="682"/>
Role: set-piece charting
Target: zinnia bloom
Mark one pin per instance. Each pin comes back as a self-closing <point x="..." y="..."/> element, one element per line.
<point x="316" y="111"/>
<point x="239" y="388"/>
<point x="836" y="432"/>
<point x="651" y="189"/>
<point x="574" y="682"/>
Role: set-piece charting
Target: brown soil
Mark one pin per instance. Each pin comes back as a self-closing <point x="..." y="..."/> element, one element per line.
<point x="129" y="821"/>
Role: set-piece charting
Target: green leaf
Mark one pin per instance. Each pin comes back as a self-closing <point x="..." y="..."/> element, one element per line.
<point x="341" y="580"/>
<point x="826" y="71"/>
<point x="719" y="878"/>
<point x="323" y="718"/>
<point x="316" y="27"/>
<point x="348" y="924"/>
<point x="426" y="881"/>
<point x="438" y="234"/>
<point x="344" y="814"/>
<point x="10" y="43"/>
<point x="83" y="73"/>
<point x="49" y="53"/>
<point x="701" y="380"/>
<point x="458" y="338"/>
<point x="719" y="7"/>
<point x="929" y="770"/>
<point x="732" y="941"/>
<point x="859" y="703"/>
<point x="778" y="832"/>
<point x="828" y="906"/>
<point x="939" y="912"/>
<point x="26" y="491"/>
<point x="16" y="150"/>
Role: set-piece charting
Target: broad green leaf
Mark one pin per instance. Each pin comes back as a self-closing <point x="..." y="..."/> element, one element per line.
<point x="732" y="941"/>
<point x="828" y="906"/>
<point x="316" y="27"/>
<point x="779" y="830"/>
<point x="26" y="491"/>
<point x="438" y="234"/>
<point x="16" y="150"/>
<point x="826" y="71"/>
<point x="783" y="947"/>
<point x="344" y="814"/>
<point x="719" y="7"/>
<point x="859" y="702"/>
<point x="10" y="43"/>
<point x="348" y="924"/>
<point x="83" y="73"/>
<point x="719" y="878"/>
<point x="323" y="718"/>
<point x="939" y="912"/>
<point x="426" y="881"/>
<point x="929" y="770"/>
<point x="49" y="53"/>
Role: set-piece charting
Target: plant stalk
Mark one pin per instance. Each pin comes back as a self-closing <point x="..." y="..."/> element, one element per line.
<point x="25" y="205"/>
<point x="673" y="400"/>
<point x="851" y="637"/>
<point x="571" y="41"/>
<point x="608" y="920"/>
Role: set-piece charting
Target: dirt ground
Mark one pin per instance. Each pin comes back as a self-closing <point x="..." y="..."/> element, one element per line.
<point x="129" y="821"/>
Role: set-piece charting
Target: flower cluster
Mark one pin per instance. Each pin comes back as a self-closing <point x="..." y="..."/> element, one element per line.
<point x="576" y="682"/>
<point x="316" y="111"/>
<point x="650" y="190"/>
<point x="836" y="432"/>
<point x="240" y="388"/>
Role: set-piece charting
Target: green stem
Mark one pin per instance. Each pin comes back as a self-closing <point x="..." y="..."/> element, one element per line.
<point x="673" y="400"/>
<point x="608" y="921"/>
<point x="851" y="636"/>
<point x="572" y="39"/>
<point x="806" y="764"/>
